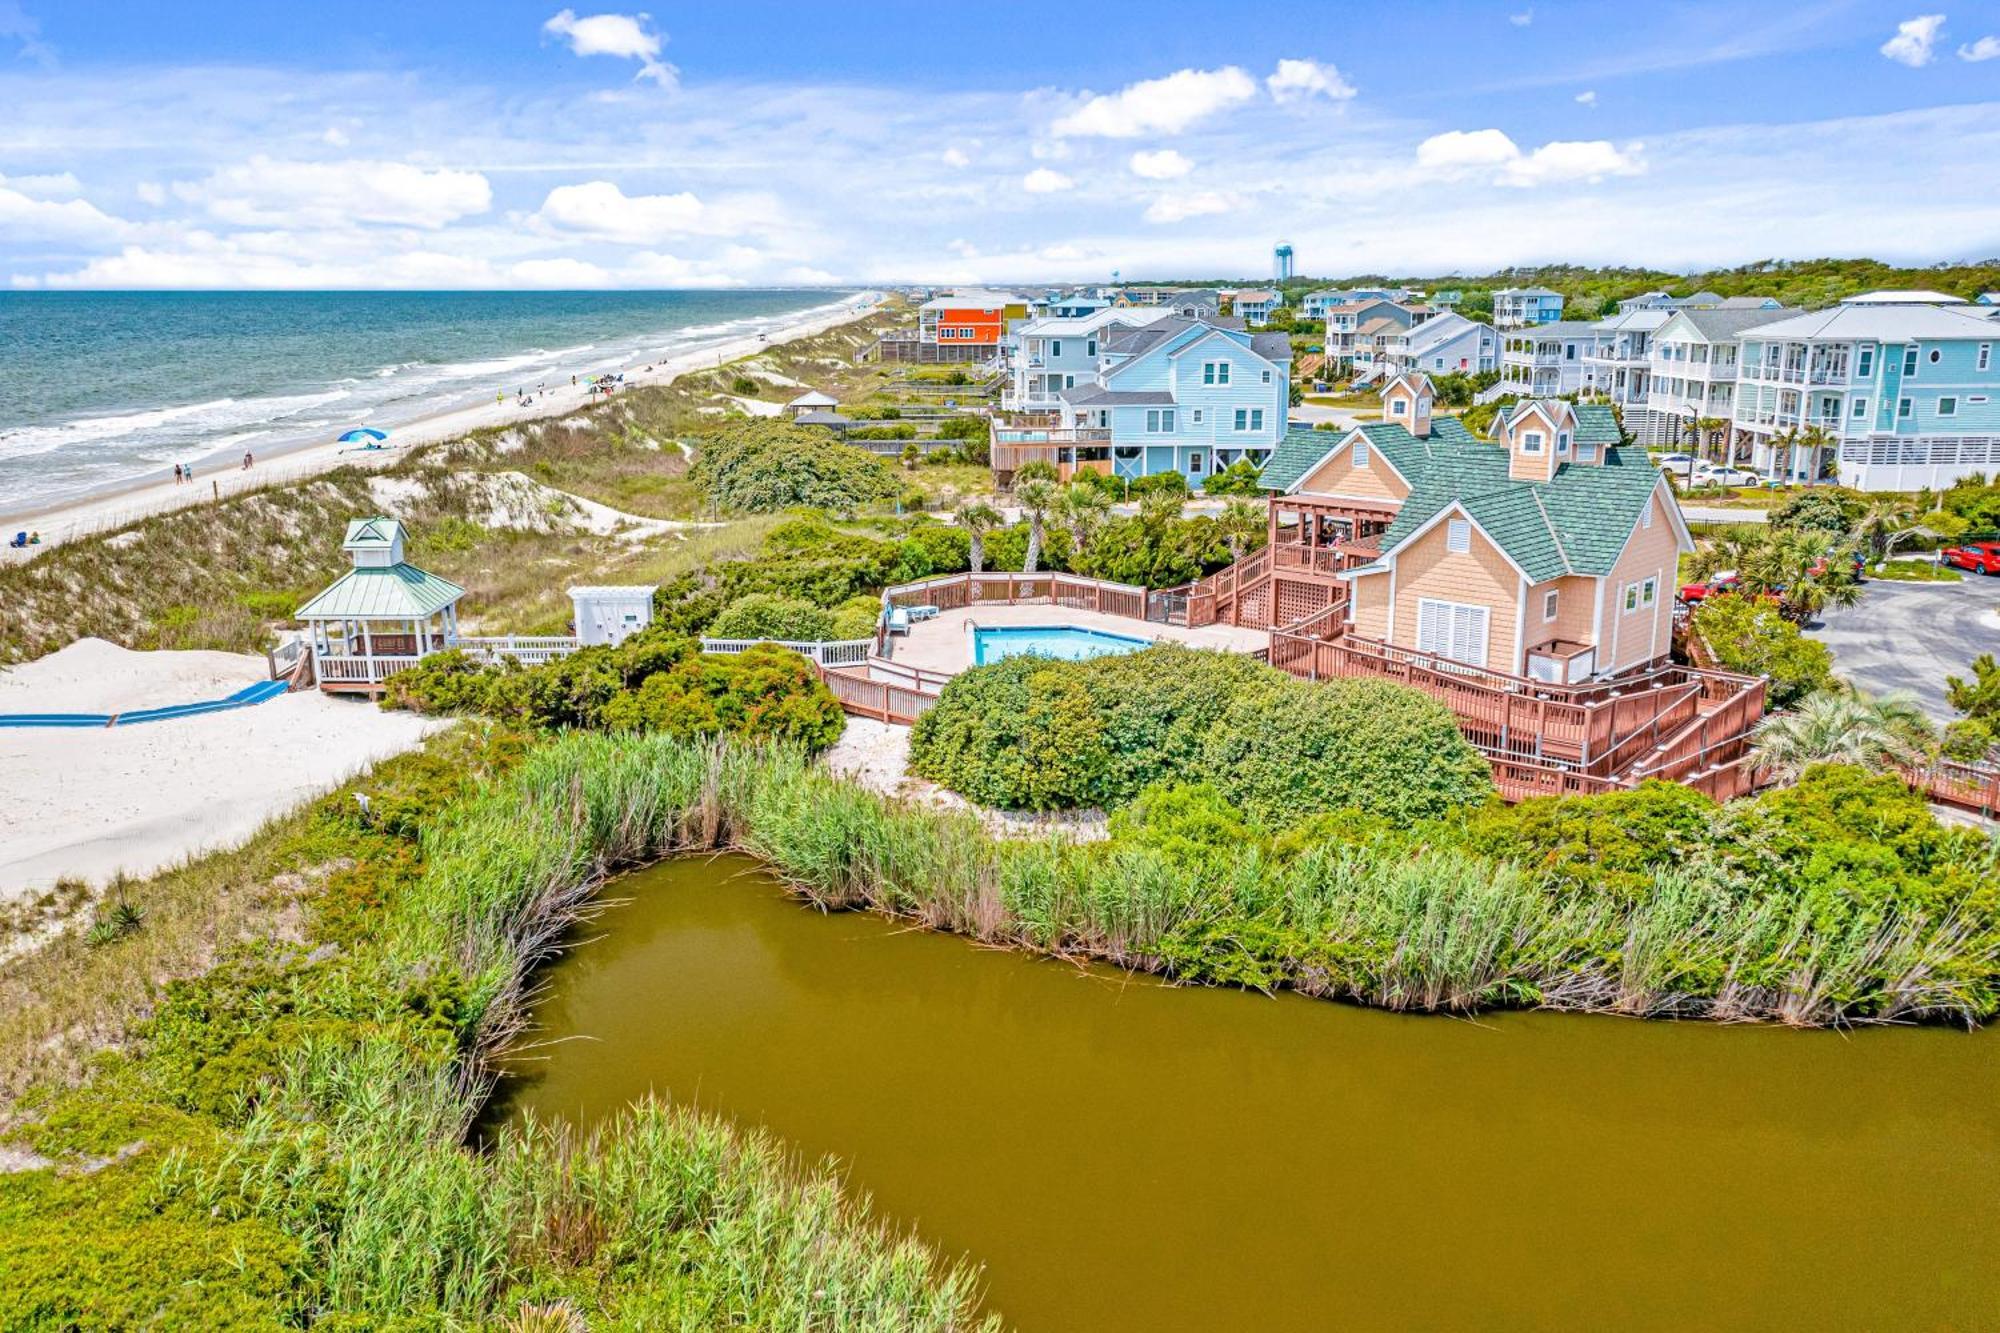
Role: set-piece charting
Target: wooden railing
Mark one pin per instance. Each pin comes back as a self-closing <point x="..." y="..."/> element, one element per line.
<point x="883" y="690"/>
<point x="954" y="591"/>
<point x="1323" y="559"/>
<point x="827" y="652"/>
<point x="527" y="649"/>
<point x="1974" y="787"/>
<point x="360" y="670"/>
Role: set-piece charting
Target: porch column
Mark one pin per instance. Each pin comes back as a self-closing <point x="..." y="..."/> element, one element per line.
<point x="368" y="649"/>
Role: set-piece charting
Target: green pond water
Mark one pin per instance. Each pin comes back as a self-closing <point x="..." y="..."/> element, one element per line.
<point x="1120" y="1154"/>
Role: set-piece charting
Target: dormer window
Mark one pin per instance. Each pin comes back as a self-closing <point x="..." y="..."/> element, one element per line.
<point x="1562" y="442"/>
<point x="1399" y="407"/>
<point x="1531" y="442"/>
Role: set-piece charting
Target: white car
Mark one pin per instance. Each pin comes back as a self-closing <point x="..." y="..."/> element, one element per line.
<point x="1679" y="464"/>
<point x="1727" y="476"/>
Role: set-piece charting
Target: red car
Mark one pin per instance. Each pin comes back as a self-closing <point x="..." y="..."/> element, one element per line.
<point x="1694" y="593"/>
<point x="1979" y="557"/>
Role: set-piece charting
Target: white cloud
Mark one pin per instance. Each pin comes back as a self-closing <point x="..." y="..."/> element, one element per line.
<point x="335" y="136"/>
<point x="1522" y="19"/>
<point x="1915" y="40"/>
<point x="1164" y="106"/>
<point x="1044" y="181"/>
<point x="23" y="215"/>
<point x="1180" y="207"/>
<point x="558" y="273"/>
<point x="265" y="192"/>
<point x="151" y="192"/>
<point x="1050" y="150"/>
<point x="1588" y="97"/>
<point x="964" y="249"/>
<point x="1162" y="164"/>
<point x="625" y="36"/>
<point x="63" y="184"/>
<point x="1986" y="48"/>
<point x="27" y="33"/>
<point x="1297" y="80"/>
<point x="600" y="209"/>
<point x="955" y="157"/>
<point x="1467" y="152"/>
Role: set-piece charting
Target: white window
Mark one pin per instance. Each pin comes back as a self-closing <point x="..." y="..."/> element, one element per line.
<point x="1864" y="363"/>
<point x="1947" y="407"/>
<point x="1055" y="348"/>
<point x="1647" y="591"/>
<point x="1194" y="465"/>
<point x="1090" y="347"/>
<point x="1860" y="408"/>
<point x="1562" y="442"/>
<point x="1250" y="418"/>
<point x="1267" y="377"/>
<point x="1937" y="355"/>
<point x="1646" y="515"/>
<point x="1197" y="416"/>
<point x="1215" y="372"/>
<point x="1910" y="361"/>
<point x="1531" y="442"/>
<point x="1985" y="355"/>
<point x="1549" y="601"/>
<point x="1631" y="597"/>
<point x="1399" y="407"/>
<point x="1452" y="629"/>
<point x="1458" y="536"/>
<point x="1159" y="421"/>
<point x="1361" y="453"/>
<point x="1902" y="408"/>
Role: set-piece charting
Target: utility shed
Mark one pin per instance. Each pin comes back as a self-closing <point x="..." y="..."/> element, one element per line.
<point x="611" y="613"/>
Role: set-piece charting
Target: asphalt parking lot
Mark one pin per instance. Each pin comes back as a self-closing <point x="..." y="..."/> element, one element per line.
<point x="1910" y="636"/>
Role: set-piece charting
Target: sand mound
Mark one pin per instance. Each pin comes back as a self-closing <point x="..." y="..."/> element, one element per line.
<point x="92" y="676"/>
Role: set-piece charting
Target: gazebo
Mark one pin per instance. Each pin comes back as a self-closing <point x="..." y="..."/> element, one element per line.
<point x="812" y="400"/>
<point x="381" y="616"/>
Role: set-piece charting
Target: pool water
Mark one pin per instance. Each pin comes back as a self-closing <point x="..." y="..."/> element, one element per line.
<point x="1067" y="642"/>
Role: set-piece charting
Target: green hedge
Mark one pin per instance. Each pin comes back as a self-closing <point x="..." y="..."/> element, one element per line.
<point x="1038" y="734"/>
<point x="766" y="466"/>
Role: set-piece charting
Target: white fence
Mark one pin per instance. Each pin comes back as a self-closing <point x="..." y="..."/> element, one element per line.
<point x="527" y="649"/>
<point x="832" y="652"/>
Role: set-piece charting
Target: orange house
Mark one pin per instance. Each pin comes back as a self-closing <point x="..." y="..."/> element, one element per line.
<point x="968" y="319"/>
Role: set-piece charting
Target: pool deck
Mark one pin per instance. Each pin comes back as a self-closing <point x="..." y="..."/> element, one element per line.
<point x="943" y="645"/>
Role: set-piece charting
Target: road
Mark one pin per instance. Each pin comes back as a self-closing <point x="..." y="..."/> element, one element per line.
<point x="1910" y="636"/>
<point x="1717" y="514"/>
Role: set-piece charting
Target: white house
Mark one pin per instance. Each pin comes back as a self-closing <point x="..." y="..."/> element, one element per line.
<point x="1545" y="360"/>
<point x="1618" y="363"/>
<point x="1691" y="372"/>
<point x="1516" y="306"/>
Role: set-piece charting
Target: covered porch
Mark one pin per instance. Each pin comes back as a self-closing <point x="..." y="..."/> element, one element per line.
<point x="1320" y="534"/>
<point x="360" y="653"/>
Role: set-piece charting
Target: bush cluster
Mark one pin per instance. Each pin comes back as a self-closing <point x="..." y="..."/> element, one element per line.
<point x="1033" y="733"/>
<point x="766" y="466"/>
<point x="653" y="681"/>
<point x="1753" y="636"/>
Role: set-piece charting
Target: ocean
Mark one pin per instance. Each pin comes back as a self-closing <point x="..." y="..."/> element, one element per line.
<point x="99" y="388"/>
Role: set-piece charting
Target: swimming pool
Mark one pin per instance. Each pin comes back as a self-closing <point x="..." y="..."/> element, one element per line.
<point x="991" y="643"/>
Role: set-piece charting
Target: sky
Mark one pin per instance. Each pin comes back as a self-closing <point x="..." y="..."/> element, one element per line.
<point x="504" y="144"/>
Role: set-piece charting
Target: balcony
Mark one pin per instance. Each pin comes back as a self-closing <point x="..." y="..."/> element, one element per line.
<point x="1561" y="662"/>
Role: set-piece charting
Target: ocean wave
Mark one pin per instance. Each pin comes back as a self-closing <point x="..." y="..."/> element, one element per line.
<point x="156" y="427"/>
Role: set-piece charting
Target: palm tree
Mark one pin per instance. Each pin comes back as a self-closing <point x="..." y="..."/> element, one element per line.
<point x="1709" y="431"/>
<point x="1239" y="521"/>
<point x="1815" y="440"/>
<point x="1034" y="496"/>
<point x="978" y="518"/>
<point x="1842" y="726"/>
<point x="1081" y="509"/>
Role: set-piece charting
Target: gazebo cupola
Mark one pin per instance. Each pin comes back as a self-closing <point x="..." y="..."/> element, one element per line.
<point x="381" y="616"/>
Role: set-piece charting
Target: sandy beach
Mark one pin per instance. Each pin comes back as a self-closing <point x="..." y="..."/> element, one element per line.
<point x="113" y="508"/>
<point x="93" y="802"/>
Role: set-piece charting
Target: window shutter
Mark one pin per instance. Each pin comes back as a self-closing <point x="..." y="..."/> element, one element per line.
<point x="1458" y="536"/>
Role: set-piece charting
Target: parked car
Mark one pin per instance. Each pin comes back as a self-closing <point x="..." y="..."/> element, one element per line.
<point x="1979" y="557"/>
<point x="1680" y="465"/>
<point x="1721" y="581"/>
<point x="1716" y="475"/>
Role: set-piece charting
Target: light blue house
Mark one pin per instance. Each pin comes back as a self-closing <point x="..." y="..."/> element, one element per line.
<point x="1254" y="305"/>
<point x="1908" y="393"/>
<point x="1514" y="307"/>
<point x="1175" y="395"/>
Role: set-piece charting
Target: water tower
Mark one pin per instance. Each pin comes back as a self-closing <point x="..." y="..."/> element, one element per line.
<point x="1281" y="261"/>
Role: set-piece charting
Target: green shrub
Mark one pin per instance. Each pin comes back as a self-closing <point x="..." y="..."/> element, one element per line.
<point x="1015" y="735"/>
<point x="1242" y="477"/>
<point x="764" y="692"/>
<point x="1750" y="635"/>
<point x="760" y="615"/>
<point x="765" y="466"/>
<point x="964" y="428"/>
<point x="1188" y="823"/>
<point x="1615" y="842"/>
<point x="903" y="431"/>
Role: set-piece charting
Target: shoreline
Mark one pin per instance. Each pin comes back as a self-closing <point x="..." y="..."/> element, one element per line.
<point x="107" y="508"/>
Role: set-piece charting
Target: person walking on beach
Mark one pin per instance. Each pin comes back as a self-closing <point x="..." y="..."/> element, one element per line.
<point x="177" y="474"/>
<point x="246" y="460"/>
<point x="190" y="473"/>
<point x="572" y="381"/>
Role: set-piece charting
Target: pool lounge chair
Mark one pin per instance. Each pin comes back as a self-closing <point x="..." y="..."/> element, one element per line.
<point x="899" y="620"/>
<point x="921" y="612"/>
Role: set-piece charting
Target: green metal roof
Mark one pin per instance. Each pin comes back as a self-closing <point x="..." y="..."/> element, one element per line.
<point x="398" y="592"/>
<point x="366" y="534"/>
<point x="1575" y="523"/>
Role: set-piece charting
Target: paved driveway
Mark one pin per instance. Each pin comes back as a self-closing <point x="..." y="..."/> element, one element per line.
<point x="1910" y="636"/>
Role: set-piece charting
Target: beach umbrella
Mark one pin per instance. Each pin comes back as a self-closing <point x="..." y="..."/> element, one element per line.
<point x="362" y="434"/>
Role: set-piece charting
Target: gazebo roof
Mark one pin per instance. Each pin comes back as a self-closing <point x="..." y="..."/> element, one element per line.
<point x="814" y="398"/>
<point x="371" y="534"/>
<point x="398" y="592"/>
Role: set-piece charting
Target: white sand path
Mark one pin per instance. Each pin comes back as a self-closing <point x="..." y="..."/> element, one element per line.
<point x="91" y="802"/>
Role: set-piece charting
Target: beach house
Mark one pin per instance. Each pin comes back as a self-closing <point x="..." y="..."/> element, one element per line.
<point x="1049" y="355"/>
<point x="1171" y="395"/>
<point x="1526" y="581"/>
<point x="1516" y="306"/>
<point x="1691" y="379"/>
<point x="1897" y="394"/>
<point x="1545" y="360"/>
<point x="1618" y="362"/>
<point x="1254" y="305"/>
<point x="381" y="616"/>
<point x="1445" y="343"/>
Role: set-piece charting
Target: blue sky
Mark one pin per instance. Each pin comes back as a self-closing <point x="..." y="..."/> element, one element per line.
<point x="211" y="144"/>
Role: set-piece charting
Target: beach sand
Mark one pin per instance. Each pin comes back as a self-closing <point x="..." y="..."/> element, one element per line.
<point x="91" y="802"/>
<point x="107" y="510"/>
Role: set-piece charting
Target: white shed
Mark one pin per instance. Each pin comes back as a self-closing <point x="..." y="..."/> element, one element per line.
<point x="611" y="614"/>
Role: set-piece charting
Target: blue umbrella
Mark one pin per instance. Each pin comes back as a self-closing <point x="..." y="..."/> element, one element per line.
<point x="363" y="433"/>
